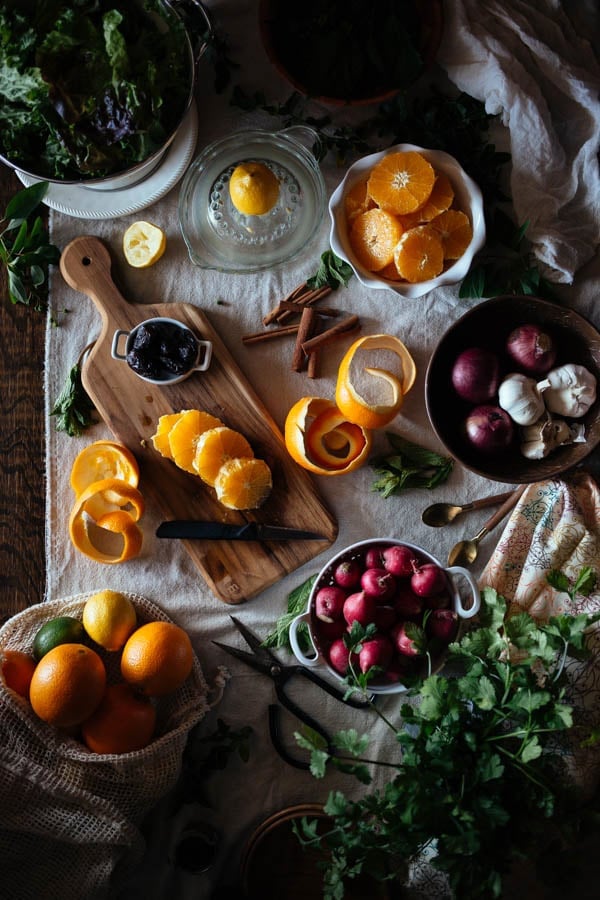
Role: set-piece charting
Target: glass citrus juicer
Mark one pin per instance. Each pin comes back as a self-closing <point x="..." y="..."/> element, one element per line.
<point x="218" y="235"/>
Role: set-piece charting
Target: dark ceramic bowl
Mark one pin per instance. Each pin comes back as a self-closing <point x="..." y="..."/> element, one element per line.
<point x="488" y="325"/>
<point x="303" y="45"/>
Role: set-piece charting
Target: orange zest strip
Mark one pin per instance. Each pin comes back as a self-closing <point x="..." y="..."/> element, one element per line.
<point x="352" y="405"/>
<point x="118" y="521"/>
<point x="319" y="438"/>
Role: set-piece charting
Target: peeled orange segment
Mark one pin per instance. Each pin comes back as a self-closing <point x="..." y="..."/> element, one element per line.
<point x="120" y="521"/>
<point x="401" y="182"/>
<point x="243" y="483"/>
<point x="440" y="199"/>
<point x="390" y="272"/>
<point x="185" y="434"/>
<point x="455" y="232"/>
<point x="253" y="188"/>
<point x="391" y="388"/>
<point x="373" y="238"/>
<point x="217" y="446"/>
<point x="143" y="244"/>
<point x="98" y="461"/>
<point x="357" y="200"/>
<point x="160" y="440"/>
<point x="319" y="438"/>
<point x="419" y="255"/>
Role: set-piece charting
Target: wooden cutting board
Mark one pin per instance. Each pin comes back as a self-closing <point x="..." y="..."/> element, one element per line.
<point x="234" y="570"/>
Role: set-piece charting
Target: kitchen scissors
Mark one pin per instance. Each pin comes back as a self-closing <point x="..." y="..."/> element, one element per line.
<point x="262" y="660"/>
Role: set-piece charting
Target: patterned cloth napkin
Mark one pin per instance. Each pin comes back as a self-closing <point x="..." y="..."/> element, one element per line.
<point x="556" y="526"/>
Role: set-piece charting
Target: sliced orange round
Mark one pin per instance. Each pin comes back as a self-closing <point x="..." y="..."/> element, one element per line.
<point x="217" y="446"/>
<point x="440" y="199"/>
<point x="455" y="231"/>
<point x="319" y="438"/>
<point x="160" y="440"/>
<point x="185" y="434"/>
<point x="419" y="255"/>
<point x="401" y="182"/>
<point x="243" y="483"/>
<point x="373" y="237"/>
<point x="357" y="200"/>
<point x="391" y="388"/>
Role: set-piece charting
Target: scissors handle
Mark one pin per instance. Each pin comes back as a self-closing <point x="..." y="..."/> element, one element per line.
<point x="275" y="730"/>
<point x="327" y="687"/>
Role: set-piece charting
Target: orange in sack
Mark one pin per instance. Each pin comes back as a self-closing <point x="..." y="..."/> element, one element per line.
<point x="388" y="389"/>
<point x="321" y="439"/>
<point x="17" y="670"/>
<point x="157" y="658"/>
<point x="67" y="685"/>
<point x="123" y="722"/>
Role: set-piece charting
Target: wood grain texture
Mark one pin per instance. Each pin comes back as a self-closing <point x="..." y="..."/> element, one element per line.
<point x="131" y="408"/>
<point x="22" y="483"/>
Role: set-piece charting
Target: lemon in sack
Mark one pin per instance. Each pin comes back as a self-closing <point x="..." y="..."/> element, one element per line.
<point x="109" y="617"/>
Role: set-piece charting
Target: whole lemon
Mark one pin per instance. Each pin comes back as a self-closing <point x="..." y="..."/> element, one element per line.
<point x="253" y="188"/>
<point x="109" y="617"/>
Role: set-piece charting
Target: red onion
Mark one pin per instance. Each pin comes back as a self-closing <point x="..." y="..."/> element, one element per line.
<point x="532" y="349"/>
<point x="476" y="375"/>
<point x="489" y="428"/>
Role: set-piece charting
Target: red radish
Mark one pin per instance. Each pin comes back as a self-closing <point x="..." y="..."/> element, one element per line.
<point x="339" y="656"/>
<point x="379" y="583"/>
<point x="347" y="574"/>
<point x="329" y="631"/>
<point x="397" y="670"/>
<point x="376" y="652"/>
<point x="385" y="617"/>
<point x="329" y="603"/>
<point x="398" y="560"/>
<point x="360" y="607"/>
<point x="442" y="624"/>
<point x="374" y="557"/>
<point x="428" y="579"/>
<point x="407" y="604"/>
<point x="404" y="644"/>
<point x="438" y="601"/>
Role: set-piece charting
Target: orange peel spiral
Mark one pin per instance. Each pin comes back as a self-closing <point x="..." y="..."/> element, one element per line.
<point x="319" y="438"/>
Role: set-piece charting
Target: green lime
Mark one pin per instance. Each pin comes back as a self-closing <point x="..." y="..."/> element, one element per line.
<point x="61" y="630"/>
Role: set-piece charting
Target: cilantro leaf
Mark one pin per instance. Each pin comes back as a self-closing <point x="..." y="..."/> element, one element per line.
<point x="409" y="466"/>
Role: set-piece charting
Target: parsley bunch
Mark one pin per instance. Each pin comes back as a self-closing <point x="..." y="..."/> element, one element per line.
<point x="481" y="765"/>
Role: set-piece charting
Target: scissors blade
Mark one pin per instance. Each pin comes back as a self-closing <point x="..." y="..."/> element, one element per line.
<point x="255" y="644"/>
<point x="249" y="658"/>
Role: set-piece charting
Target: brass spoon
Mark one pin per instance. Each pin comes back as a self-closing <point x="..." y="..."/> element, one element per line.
<point x="465" y="552"/>
<point x="439" y="514"/>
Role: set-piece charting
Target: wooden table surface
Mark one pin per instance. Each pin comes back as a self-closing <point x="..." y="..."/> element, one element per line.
<point x="22" y="485"/>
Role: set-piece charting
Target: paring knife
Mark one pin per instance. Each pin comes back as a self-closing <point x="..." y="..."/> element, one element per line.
<point x="221" y="531"/>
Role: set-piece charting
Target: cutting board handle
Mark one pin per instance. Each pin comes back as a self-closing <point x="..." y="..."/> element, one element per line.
<point x="86" y="266"/>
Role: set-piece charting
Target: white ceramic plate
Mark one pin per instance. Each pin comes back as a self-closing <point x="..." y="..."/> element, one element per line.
<point x="88" y="203"/>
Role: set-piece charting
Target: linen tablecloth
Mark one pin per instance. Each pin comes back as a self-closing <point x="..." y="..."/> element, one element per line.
<point x="245" y="794"/>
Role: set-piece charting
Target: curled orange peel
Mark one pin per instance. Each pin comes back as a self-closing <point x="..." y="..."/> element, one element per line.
<point x="118" y="521"/>
<point x="319" y="438"/>
<point x="100" y="460"/>
<point x="354" y="407"/>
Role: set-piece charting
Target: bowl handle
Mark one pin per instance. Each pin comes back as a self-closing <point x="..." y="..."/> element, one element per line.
<point x="198" y="21"/>
<point x="463" y="611"/>
<point x="114" y="351"/>
<point x="294" y="625"/>
<point x="305" y="135"/>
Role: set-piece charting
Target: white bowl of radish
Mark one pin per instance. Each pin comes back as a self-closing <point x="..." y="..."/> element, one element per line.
<point x="411" y="606"/>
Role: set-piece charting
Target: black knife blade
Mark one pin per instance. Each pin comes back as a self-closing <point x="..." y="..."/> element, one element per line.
<point x="221" y="531"/>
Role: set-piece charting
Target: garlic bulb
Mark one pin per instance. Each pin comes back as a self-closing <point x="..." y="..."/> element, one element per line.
<point x="519" y="396"/>
<point x="568" y="390"/>
<point x="544" y="436"/>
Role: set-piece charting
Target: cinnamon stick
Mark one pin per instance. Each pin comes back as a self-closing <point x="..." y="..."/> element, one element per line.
<point x="312" y="369"/>
<point x="302" y="296"/>
<point x="345" y="327"/>
<point x="260" y="336"/>
<point x="329" y="311"/>
<point x="306" y="329"/>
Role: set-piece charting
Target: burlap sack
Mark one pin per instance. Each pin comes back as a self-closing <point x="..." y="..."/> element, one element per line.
<point x="69" y="817"/>
<point x="556" y="525"/>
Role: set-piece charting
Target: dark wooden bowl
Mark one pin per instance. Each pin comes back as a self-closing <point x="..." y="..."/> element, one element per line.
<point x="488" y="325"/>
<point x="274" y="22"/>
